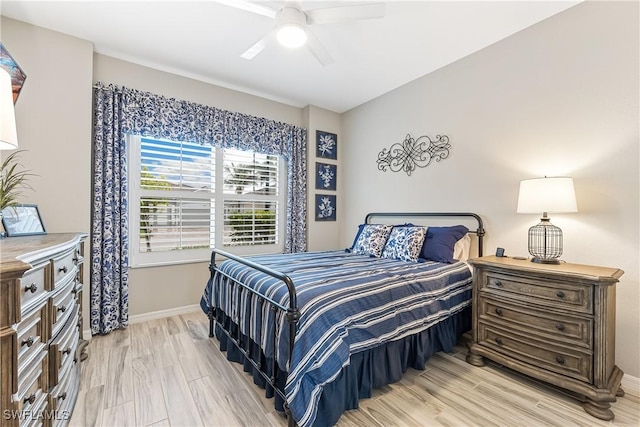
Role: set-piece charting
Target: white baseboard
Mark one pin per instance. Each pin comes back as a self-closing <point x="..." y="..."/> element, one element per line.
<point x="160" y="314"/>
<point x="631" y="384"/>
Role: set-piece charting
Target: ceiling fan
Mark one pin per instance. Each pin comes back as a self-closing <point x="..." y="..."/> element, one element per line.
<point x="292" y="24"/>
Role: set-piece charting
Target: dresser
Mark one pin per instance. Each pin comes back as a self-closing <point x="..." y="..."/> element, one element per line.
<point x="555" y="323"/>
<point x="41" y="281"/>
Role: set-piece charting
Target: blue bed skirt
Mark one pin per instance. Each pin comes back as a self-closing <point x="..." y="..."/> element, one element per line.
<point x="367" y="370"/>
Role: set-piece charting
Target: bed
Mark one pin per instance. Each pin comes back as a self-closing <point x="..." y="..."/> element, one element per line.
<point x="320" y="330"/>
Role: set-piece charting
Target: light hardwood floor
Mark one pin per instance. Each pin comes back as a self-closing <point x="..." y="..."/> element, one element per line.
<point x="168" y="372"/>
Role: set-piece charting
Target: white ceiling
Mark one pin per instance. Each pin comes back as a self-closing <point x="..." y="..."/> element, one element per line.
<point x="204" y="39"/>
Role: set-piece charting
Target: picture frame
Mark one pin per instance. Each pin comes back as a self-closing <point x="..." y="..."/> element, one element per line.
<point x="326" y="176"/>
<point x="11" y="66"/>
<point x="326" y="145"/>
<point x="22" y="220"/>
<point x="325" y="207"/>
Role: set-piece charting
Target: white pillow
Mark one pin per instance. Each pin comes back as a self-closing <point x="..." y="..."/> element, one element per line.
<point x="462" y="248"/>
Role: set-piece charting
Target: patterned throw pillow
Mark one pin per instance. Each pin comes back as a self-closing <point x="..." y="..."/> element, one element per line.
<point x="372" y="239"/>
<point x="405" y="243"/>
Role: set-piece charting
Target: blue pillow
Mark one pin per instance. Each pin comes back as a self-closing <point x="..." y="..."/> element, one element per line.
<point x="439" y="242"/>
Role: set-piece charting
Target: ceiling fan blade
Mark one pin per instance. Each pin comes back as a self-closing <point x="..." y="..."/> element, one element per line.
<point x="258" y="46"/>
<point x="318" y="50"/>
<point x="338" y="14"/>
<point x="252" y="7"/>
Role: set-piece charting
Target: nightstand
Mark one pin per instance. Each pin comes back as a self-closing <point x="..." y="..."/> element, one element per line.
<point x="555" y="323"/>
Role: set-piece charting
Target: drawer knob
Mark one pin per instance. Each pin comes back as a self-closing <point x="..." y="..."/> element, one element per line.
<point x="560" y="360"/>
<point x="67" y="351"/>
<point x="32" y="287"/>
<point x="30" y="399"/>
<point x="498" y="283"/>
<point x="63" y="396"/>
<point x="28" y="342"/>
<point x="560" y="294"/>
<point x="498" y="311"/>
<point x="559" y="326"/>
<point x="76" y="259"/>
<point x="499" y="341"/>
<point x="62" y="308"/>
<point x="62" y="269"/>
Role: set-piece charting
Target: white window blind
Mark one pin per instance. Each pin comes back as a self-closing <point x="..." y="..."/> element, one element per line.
<point x="178" y="213"/>
<point x="251" y="201"/>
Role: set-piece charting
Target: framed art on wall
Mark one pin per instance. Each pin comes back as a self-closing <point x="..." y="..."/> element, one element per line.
<point x="325" y="207"/>
<point x="326" y="145"/>
<point x="22" y="220"/>
<point x="326" y="176"/>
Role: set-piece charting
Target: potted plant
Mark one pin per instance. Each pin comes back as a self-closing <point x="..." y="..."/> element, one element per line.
<point x="13" y="180"/>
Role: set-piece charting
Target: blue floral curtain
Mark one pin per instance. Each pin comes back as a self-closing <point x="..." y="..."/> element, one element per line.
<point x="109" y="296"/>
<point x="118" y="112"/>
<point x="156" y="116"/>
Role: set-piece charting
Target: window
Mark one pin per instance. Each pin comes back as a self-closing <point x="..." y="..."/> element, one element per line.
<point x="188" y="198"/>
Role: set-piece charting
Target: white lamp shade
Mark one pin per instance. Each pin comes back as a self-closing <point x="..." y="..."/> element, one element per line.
<point x="8" y="133"/>
<point x="555" y="194"/>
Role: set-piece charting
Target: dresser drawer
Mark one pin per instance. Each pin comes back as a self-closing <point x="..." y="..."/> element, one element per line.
<point x="564" y="296"/>
<point x="61" y="306"/>
<point x="32" y="381"/>
<point x="64" y="267"/>
<point x="36" y="412"/>
<point x="541" y="324"/>
<point x="562" y="360"/>
<point x="32" y="333"/>
<point x="63" y="347"/>
<point x="63" y="396"/>
<point x="34" y="285"/>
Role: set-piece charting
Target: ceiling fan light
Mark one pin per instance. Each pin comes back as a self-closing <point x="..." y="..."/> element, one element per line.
<point x="292" y="35"/>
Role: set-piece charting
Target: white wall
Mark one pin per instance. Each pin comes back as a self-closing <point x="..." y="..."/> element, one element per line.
<point x="559" y="98"/>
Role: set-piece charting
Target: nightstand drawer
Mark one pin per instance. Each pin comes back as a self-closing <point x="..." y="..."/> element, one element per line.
<point x="559" y="359"/>
<point x="542" y="324"/>
<point x="561" y="295"/>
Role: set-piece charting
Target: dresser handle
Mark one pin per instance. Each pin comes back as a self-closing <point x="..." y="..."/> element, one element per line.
<point x="28" y="342"/>
<point x="62" y="308"/>
<point x="63" y="396"/>
<point x="499" y="341"/>
<point x="33" y="288"/>
<point x="498" y="283"/>
<point x="63" y="269"/>
<point x="560" y="294"/>
<point x="498" y="311"/>
<point x="560" y="360"/>
<point x="559" y="326"/>
<point x="30" y="399"/>
<point x="67" y="351"/>
<point x="75" y="259"/>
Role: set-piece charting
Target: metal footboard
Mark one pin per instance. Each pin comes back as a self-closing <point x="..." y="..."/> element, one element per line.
<point x="292" y="314"/>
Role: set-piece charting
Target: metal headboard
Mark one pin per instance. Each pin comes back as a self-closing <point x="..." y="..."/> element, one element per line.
<point x="479" y="231"/>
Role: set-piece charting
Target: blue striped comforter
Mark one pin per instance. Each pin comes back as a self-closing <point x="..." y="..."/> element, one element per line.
<point x="348" y="303"/>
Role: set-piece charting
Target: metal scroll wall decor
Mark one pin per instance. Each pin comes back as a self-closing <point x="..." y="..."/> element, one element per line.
<point x="412" y="153"/>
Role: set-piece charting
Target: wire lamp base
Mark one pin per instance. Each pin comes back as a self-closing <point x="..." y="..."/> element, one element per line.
<point x="545" y="242"/>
